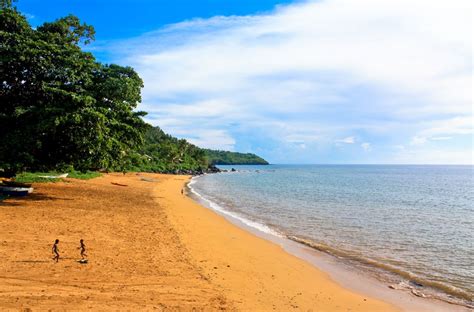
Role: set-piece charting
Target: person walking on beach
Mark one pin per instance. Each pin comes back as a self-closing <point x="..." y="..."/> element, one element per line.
<point x="55" y="250"/>
<point x="83" y="249"/>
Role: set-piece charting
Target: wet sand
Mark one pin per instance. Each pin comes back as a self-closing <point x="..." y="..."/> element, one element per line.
<point x="150" y="247"/>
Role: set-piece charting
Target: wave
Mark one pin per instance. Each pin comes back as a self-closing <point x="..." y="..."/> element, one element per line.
<point x="409" y="281"/>
<point x="253" y="224"/>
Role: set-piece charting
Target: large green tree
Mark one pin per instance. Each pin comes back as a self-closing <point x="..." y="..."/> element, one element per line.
<point x="59" y="106"/>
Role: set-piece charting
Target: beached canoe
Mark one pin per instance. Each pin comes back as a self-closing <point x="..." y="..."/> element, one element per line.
<point x="64" y="175"/>
<point x="15" y="191"/>
<point x="15" y="184"/>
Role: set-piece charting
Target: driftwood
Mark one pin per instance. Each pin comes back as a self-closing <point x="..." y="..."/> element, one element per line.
<point x="148" y="179"/>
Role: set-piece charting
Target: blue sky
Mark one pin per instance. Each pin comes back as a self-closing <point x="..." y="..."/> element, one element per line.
<point x="128" y="18"/>
<point x="332" y="81"/>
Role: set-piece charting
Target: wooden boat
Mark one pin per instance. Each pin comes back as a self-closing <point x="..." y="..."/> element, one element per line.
<point x="15" y="191"/>
<point x="15" y="184"/>
<point x="64" y="175"/>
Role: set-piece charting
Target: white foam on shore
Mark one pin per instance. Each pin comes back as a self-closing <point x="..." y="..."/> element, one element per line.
<point x="371" y="284"/>
<point x="218" y="208"/>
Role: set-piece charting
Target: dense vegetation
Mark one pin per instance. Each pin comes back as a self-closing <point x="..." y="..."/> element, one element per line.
<point x="62" y="111"/>
<point x="233" y="158"/>
<point x="164" y="153"/>
<point x="59" y="106"/>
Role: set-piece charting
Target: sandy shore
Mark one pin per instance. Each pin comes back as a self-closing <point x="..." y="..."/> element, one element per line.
<point x="149" y="248"/>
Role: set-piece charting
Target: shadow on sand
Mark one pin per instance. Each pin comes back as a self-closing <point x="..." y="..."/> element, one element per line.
<point x="32" y="261"/>
<point x="13" y="201"/>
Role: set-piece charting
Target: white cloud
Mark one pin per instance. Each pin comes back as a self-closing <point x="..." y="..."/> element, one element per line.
<point x="434" y="156"/>
<point x="443" y="130"/>
<point x="395" y="69"/>
<point x="214" y="139"/>
<point x="366" y="146"/>
<point x="418" y="140"/>
<point x="347" y="140"/>
<point x="441" y="138"/>
<point x="301" y="138"/>
<point x="29" y="16"/>
<point x="451" y="126"/>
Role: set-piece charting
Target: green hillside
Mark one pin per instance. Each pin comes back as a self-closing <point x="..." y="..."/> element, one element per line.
<point x="233" y="158"/>
<point x="163" y="153"/>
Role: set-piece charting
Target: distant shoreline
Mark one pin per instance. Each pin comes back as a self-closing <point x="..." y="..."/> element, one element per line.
<point x="240" y="164"/>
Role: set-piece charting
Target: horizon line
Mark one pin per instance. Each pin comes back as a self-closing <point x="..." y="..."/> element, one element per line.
<point x="346" y="164"/>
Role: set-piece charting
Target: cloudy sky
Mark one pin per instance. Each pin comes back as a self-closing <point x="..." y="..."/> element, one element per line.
<point x="331" y="81"/>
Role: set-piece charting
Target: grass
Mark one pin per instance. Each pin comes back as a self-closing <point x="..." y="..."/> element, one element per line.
<point x="35" y="177"/>
<point x="84" y="175"/>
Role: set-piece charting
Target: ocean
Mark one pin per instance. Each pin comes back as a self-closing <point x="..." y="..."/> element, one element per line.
<point x="406" y="223"/>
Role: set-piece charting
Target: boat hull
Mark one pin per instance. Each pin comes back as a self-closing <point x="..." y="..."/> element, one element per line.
<point x="15" y="191"/>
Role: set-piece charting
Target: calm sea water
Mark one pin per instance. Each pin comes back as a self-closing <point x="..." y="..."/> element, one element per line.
<point x="413" y="221"/>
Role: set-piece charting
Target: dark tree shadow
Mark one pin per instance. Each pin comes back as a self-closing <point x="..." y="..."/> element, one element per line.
<point x="15" y="201"/>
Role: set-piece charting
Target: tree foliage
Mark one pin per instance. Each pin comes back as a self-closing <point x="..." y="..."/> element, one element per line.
<point x="59" y="106"/>
<point x="164" y="153"/>
<point x="233" y="158"/>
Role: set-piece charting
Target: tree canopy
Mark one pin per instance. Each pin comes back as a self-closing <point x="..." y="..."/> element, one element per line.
<point x="233" y="158"/>
<point x="59" y="106"/>
<point x="164" y="153"/>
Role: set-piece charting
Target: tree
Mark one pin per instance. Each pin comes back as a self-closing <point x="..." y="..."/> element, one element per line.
<point x="6" y="3"/>
<point x="233" y="158"/>
<point x="164" y="153"/>
<point x="60" y="107"/>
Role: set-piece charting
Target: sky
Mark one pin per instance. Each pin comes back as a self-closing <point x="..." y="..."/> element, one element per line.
<point x="329" y="81"/>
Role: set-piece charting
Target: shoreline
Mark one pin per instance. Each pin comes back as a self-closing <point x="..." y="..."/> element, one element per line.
<point x="349" y="275"/>
<point x="150" y="247"/>
<point x="256" y="274"/>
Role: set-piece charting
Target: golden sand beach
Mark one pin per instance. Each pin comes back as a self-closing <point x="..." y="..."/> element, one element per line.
<point x="149" y="247"/>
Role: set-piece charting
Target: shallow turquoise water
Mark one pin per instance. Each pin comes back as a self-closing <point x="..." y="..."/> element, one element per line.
<point x="416" y="221"/>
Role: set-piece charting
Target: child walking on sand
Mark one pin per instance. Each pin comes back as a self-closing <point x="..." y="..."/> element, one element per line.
<point x="55" y="250"/>
<point x="83" y="249"/>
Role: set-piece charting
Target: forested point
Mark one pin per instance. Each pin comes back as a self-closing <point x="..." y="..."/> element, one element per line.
<point x="62" y="110"/>
<point x="233" y="158"/>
